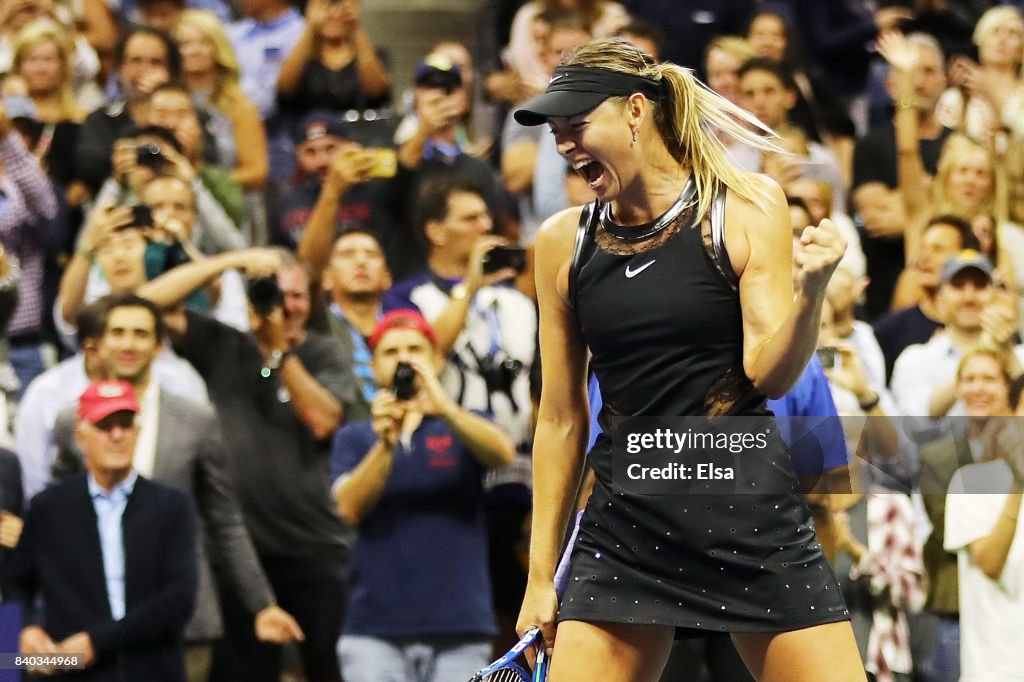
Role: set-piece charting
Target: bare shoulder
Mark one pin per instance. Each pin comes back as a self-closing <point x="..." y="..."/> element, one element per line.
<point x="554" y="247"/>
<point x="557" y="234"/>
<point x="771" y="198"/>
<point x="758" y="226"/>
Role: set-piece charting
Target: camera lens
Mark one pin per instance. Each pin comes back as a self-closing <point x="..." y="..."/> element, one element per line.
<point x="265" y="295"/>
<point x="148" y="155"/>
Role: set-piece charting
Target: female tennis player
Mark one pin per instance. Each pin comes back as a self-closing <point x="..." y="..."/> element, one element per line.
<point x="678" y="280"/>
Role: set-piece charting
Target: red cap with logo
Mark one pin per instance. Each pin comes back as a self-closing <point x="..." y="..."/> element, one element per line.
<point x="103" y="398"/>
<point x="402" y="319"/>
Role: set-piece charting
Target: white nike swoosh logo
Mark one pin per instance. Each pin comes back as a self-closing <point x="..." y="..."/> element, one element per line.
<point x="630" y="274"/>
<point x="561" y="75"/>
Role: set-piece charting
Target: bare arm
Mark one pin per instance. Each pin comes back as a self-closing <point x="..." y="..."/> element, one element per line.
<point x="359" y="493"/>
<point x="294" y="65"/>
<point x="320" y="411"/>
<point x="251" y="143"/>
<point x="487" y="443"/>
<point x="102" y="224"/>
<point x="562" y="423"/>
<point x="911" y="175"/>
<point x="435" y="112"/>
<point x="349" y="166"/>
<point x="100" y="28"/>
<point x="779" y="334"/>
<point x="452" y="320"/>
<point x="990" y="552"/>
<point x="373" y="76"/>
<point x="517" y="164"/>
<point x="361" y="488"/>
<point x="177" y="284"/>
<point x="563" y="418"/>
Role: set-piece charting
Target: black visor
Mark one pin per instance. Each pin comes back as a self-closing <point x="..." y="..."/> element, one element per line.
<point x="575" y="90"/>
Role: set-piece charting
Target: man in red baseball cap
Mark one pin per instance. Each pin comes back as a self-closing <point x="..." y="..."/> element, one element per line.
<point x="106" y="430"/>
<point x="420" y="445"/>
<point x="112" y="555"/>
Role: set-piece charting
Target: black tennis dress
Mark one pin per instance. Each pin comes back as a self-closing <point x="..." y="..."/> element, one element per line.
<point x="660" y="311"/>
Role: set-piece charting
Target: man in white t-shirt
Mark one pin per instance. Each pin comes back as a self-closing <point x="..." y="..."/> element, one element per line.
<point x="982" y="507"/>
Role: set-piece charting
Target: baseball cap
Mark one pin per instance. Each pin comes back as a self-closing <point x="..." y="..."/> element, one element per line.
<point x="103" y="398"/>
<point x="964" y="260"/>
<point x="437" y="71"/>
<point x="402" y="319"/>
<point x="317" y="124"/>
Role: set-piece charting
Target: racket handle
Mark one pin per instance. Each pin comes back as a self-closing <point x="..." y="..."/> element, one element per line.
<point x="562" y="572"/>
<point x="540" y="670"/>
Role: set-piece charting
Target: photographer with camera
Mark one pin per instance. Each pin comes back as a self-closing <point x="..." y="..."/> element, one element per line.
<point x="485" y="328"/>
<point x="280" y="392"/>
<point x="431" y="147"/>
<point x="121" y="247"/>
<point x="144" y="58"/>
<point x="412" y="478"/>
<point x="145" y="153"/>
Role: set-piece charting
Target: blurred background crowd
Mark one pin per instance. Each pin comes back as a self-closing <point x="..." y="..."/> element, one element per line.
<point x="262" y="218"/>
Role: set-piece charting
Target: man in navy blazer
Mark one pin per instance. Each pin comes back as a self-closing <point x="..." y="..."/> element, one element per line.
<point x="112" y="554"/>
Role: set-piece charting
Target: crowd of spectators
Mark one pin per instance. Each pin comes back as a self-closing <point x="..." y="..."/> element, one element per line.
<point x="252" y="282"/>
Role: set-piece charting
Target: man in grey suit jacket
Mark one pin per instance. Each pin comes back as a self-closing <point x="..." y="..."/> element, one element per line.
<point x="180" y="444"/>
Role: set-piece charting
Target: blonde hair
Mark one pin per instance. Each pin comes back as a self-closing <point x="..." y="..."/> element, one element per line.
<point x="993" y="19"/>
<point x="39" y="31"/>
<point x="734" y="46"/>
<point x="1001" y="357"/>
<point x="955" y="149"/>
<point x="589" y="10"/>
<point x="227" y="91"/>
<point x="687" y="118"/>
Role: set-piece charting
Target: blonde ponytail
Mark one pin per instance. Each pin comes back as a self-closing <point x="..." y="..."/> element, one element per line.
<point x="688" y="119"/>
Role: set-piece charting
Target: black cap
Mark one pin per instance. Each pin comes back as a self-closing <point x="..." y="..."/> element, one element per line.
<point x="437" y="71"/>
<point x="317" y="124"/>
<point x="575" y="90"/>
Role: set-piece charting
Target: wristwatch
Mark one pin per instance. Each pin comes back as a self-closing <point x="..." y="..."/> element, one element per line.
<point x="871" y="403"/>
<point x="274" y="362"/>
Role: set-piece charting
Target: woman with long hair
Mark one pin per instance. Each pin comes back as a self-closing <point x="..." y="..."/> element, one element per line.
<point x="42" y="63"/>
<point x="42" y="71"/>
<point x="677" y="283"/>
<point x="210" y="71"/>
<point x="333" y="65"/>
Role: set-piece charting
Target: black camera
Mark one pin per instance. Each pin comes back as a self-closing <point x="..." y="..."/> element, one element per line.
<point x="501" y="257"/>
<point x="142" y="216"/>
<point x="265" y="295"/>
<point x="499" y="374"/>
<point x="403" y="384"/>
<point x="149" y="155"/>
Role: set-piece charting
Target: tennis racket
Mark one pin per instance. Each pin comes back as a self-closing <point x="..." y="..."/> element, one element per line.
<point x="506" y="668"/>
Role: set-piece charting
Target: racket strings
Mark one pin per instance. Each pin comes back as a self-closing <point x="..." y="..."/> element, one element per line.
<point x="506" y="675"/>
